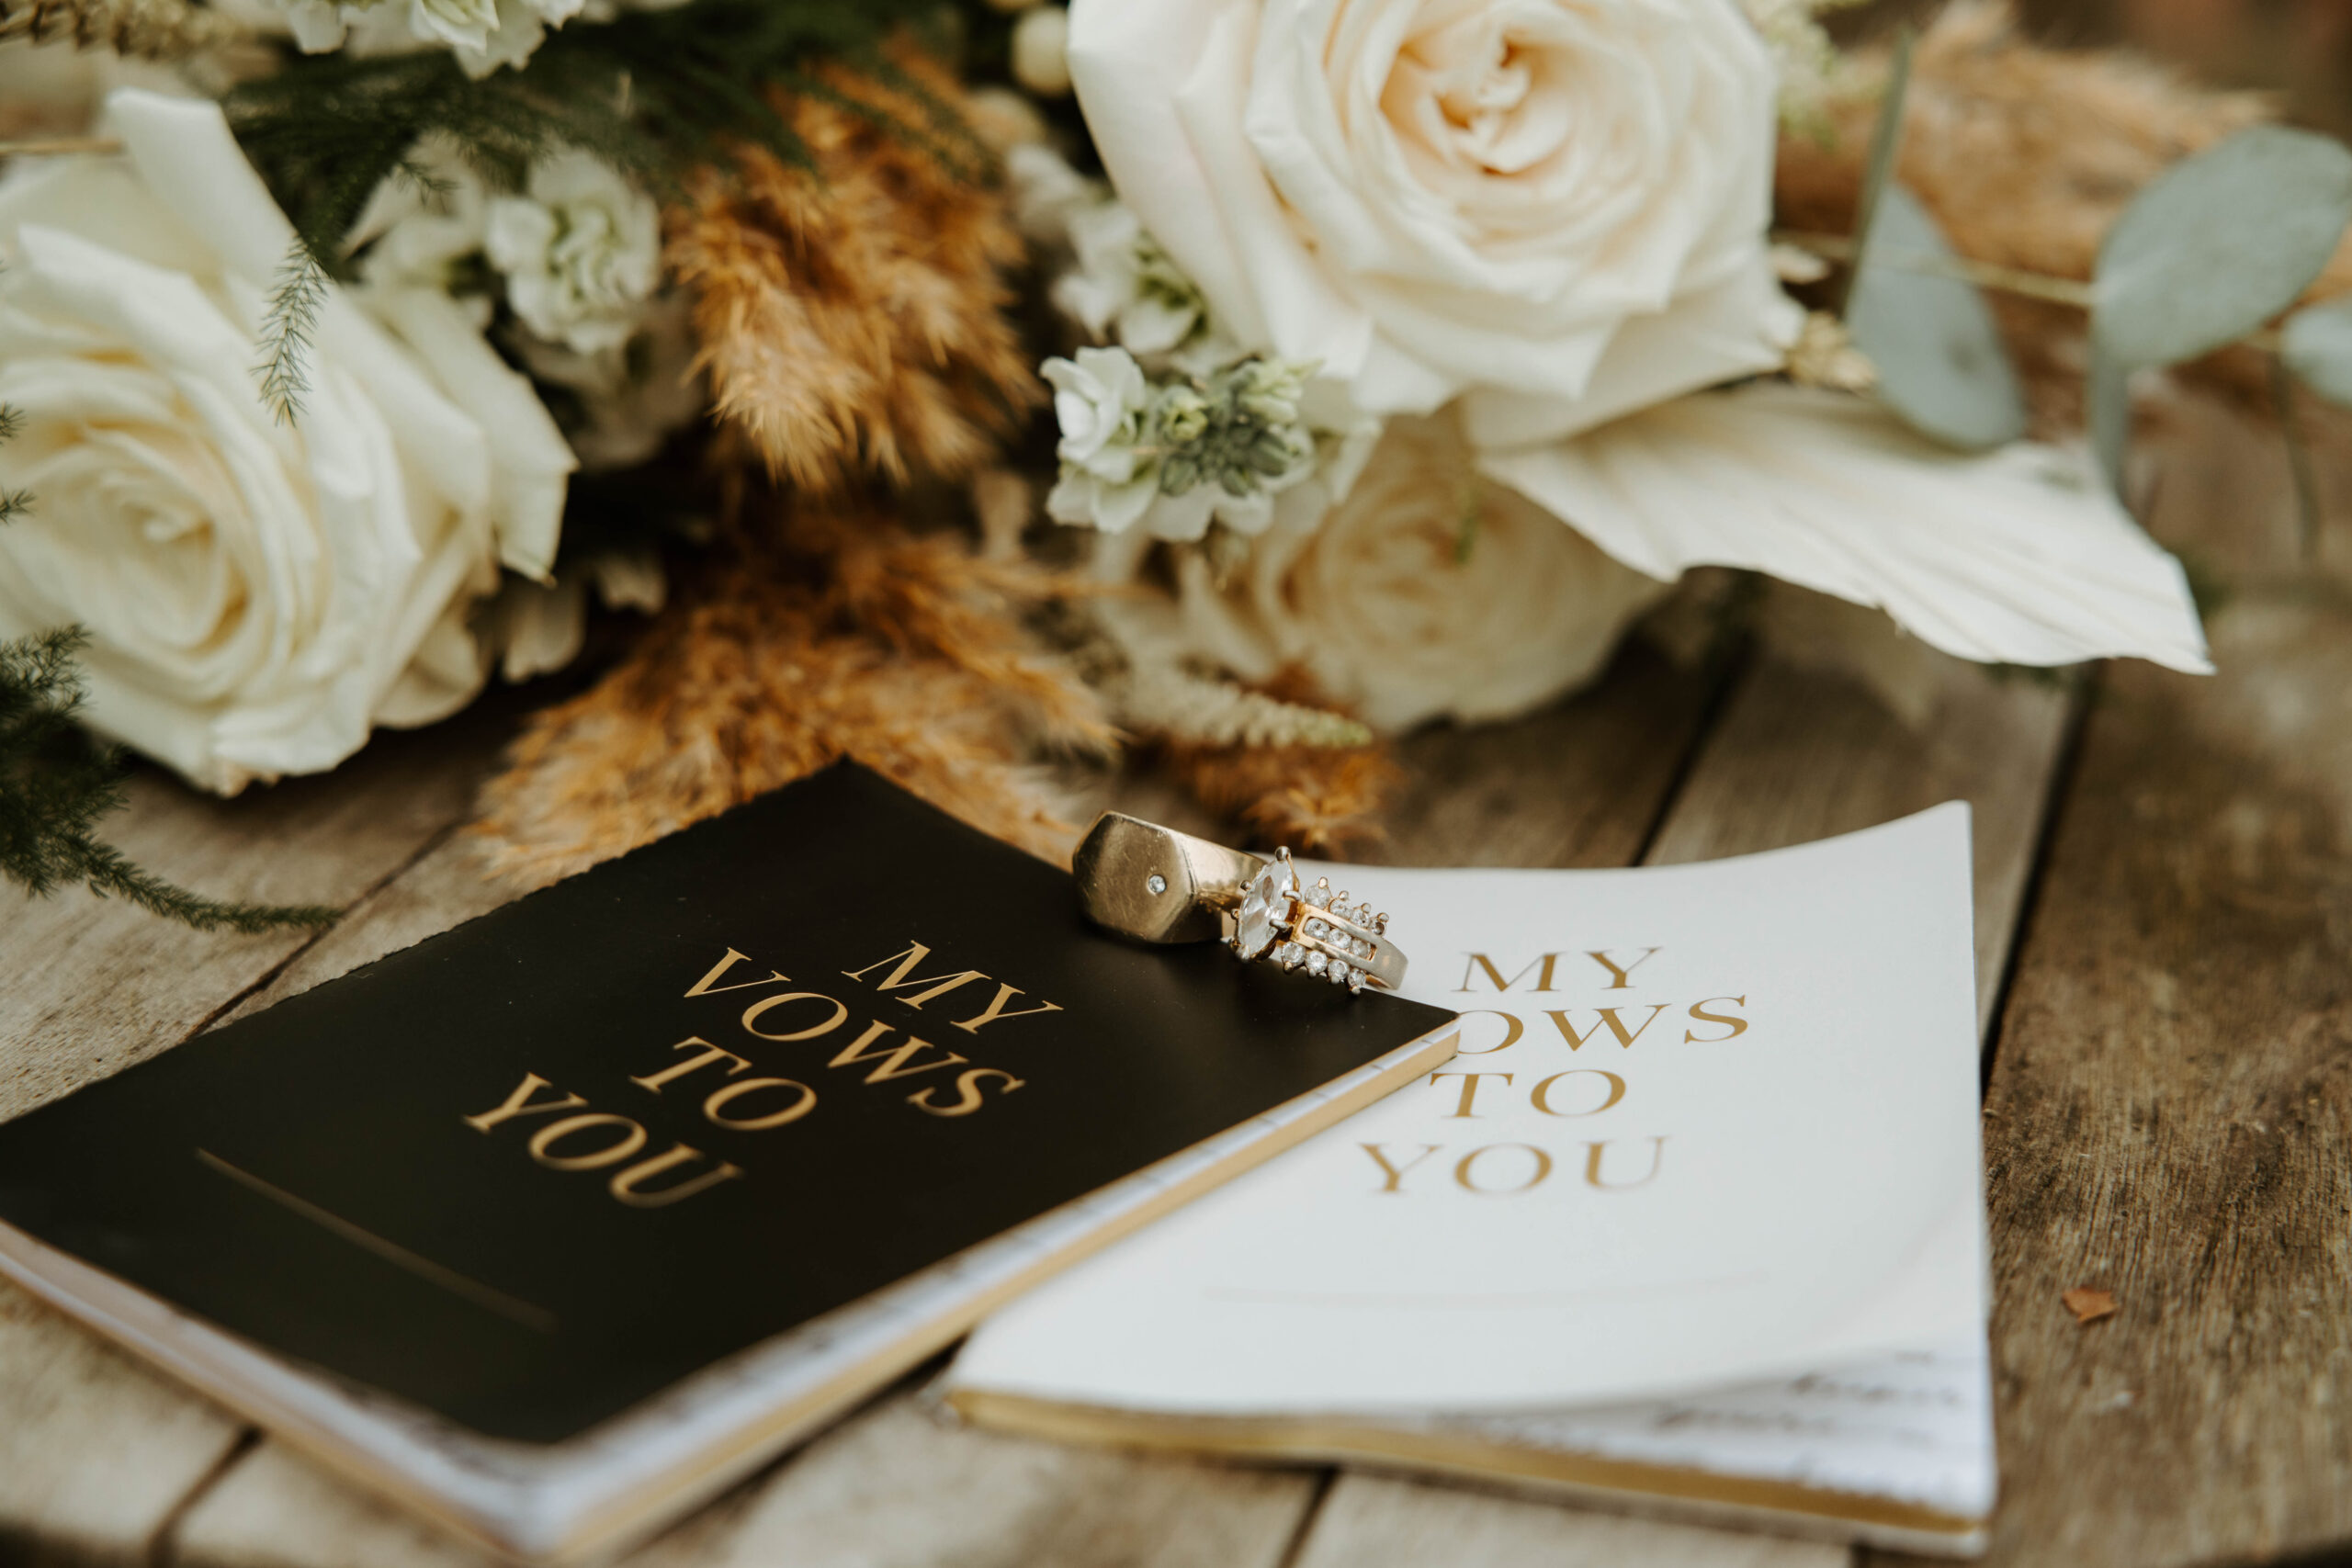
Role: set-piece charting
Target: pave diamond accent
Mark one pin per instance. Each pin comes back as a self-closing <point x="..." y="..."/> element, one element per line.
<point x="1339" y="973"/>
<point x="1355" y="979"/>
<point x="1157" y="884"/>
<point x="1317" y="962"/>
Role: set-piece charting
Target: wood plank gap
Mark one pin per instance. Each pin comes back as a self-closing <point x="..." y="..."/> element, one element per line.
<point x="367" y="895"/>
<point x="2055" y="795"/>
<point x="1324" y="1480"/>
<point x="1734" y="668"/>
<point x="161" y="1549"/>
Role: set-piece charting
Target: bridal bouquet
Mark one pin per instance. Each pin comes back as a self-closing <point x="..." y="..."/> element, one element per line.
<point x="966" y="387"/>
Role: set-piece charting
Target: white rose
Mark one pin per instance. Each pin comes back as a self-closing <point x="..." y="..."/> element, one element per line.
<point x="1426" y="593"/>
<point x="257" y="595"/>
<point x="581" y="251"/>
<point x="1558" y="207"/>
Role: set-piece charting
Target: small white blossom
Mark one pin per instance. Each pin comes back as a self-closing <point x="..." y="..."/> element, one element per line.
<point x="483" y="34"/>
<point x="629" y="400"/>
<point x="1101" y="399"/>
<point x="1126" y="287"/>
<point x="580" y="250"/>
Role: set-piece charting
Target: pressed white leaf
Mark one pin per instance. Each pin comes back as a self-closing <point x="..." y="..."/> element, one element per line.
<point x="1940" y="363"/>
<point x="2019" y="556"/>
<point x="2220" y="243"/>
<point x="2318" y="348"/>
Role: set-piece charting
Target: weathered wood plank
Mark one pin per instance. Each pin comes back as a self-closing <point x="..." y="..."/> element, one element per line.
<point x="94" y="1450"/>
<point x="1374" y="1522"/>
<point x="1579" y="784"/>
<point x="2170" y="1117"/>
<point x="96" y="985"/>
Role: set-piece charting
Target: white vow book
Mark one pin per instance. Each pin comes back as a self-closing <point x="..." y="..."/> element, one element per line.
<point x="1693" y="1221"/>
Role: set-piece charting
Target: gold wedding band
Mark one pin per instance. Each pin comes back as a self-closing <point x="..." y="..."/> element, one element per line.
<point x="1157" y="885"/>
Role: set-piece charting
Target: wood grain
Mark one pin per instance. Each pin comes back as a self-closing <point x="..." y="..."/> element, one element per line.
<point x="2170" y="1118"/>
<point x="1377" y="1522"/>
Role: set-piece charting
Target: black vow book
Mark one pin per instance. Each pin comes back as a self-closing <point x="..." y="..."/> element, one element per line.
<point x="561" y="1220"/>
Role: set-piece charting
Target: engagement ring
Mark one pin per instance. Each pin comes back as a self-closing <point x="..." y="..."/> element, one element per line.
<point x="1157" y="885"/>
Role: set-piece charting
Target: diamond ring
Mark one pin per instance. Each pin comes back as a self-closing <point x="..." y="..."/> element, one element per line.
<point x="1316" y="930"/>
<point x="1157" y="885"/>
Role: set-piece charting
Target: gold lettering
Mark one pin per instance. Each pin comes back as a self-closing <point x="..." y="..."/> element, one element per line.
<point x="1609" y="1016"/>
<point x="752" y="1013"/>
<point x="632" y="1141"/>
<point x="519" y="1104"/>
<point x="704" y="987"/>
<point x="1623" y="979"/>
<point x="1462" y="1168"/>
<point x="1470" y="1082"/>
<point x="1698" y="1011"/>
<point x="1395" y="1174"/>
<point x="791" y="1113"/>
<point x="710" y="1053"/>
<point x="627" y="1185"/>
<point x="1592" y="1156"/>
<point x="936" y="987"/>
<point x="1512" y="1029"/>
<point x="1616" y="1091"/>
<point x="968" y="1087"/>
<point x="1480" y="961"/>
<point x="894" y="1063"/>
<point x="995" y="1010"/>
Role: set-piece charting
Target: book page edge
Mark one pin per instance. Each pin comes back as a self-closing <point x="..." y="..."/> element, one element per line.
<point x="1789" y="1508"/>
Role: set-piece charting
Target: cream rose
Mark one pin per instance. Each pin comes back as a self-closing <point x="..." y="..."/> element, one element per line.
<point x="1426" y="593"/>
<point x="258" y="595"/>
<point x="1555" y="208"/>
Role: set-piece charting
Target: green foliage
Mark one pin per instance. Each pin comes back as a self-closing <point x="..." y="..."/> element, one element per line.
<point x="2317" y="346"/>
<point x="2107" y="389"/>
<point x="56" y="783"/>
<point x="13" y="503"/>
<point x="2219" y="244"/>
<point x="650" y="92"/>
<point x="1886" y="147"/>
<point x="286" y="328"/>
<point x="1941" y="365"/>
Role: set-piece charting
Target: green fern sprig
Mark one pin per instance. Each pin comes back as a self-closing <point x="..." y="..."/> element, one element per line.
<point x="56" y="783"/>
<point x="286" y="326"/>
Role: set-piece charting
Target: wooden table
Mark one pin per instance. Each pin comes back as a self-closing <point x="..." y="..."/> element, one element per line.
<point x="2164" y="920"/>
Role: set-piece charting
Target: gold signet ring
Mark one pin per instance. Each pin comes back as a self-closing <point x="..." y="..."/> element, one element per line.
<point x="1157" y="885"/>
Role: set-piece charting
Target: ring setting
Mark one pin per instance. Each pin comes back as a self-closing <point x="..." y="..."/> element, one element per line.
<point x="1314" y="929"/>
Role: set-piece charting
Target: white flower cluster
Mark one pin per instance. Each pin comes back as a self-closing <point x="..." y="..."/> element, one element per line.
<point x="578" y="254"/>
<point x="1180" y="453"/>
<point x="1173" y="426"/>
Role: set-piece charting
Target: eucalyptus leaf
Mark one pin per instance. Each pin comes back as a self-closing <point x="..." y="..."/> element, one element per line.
<point x="2110" y="388"/>
<point x="2318" y="348"/>
<point x="2220" y="243"/>
<point x="1886" y="146"/>
<point x="1940" y="363"/>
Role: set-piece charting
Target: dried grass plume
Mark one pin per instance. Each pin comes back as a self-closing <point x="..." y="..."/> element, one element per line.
<point x="906" y="653"/>
<point x="853" y="317"/>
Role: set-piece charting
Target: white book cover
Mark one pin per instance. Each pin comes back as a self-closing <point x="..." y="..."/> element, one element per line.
<point x="1694" y="1218"/>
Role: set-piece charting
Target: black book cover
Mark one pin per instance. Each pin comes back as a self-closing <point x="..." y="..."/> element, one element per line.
<point x="532" y="1171"/>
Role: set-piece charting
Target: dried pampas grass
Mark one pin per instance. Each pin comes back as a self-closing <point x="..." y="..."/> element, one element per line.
<point x="853" y="317"/>
<point x="906" y="653"/>
<point x="1318" y="799"/>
